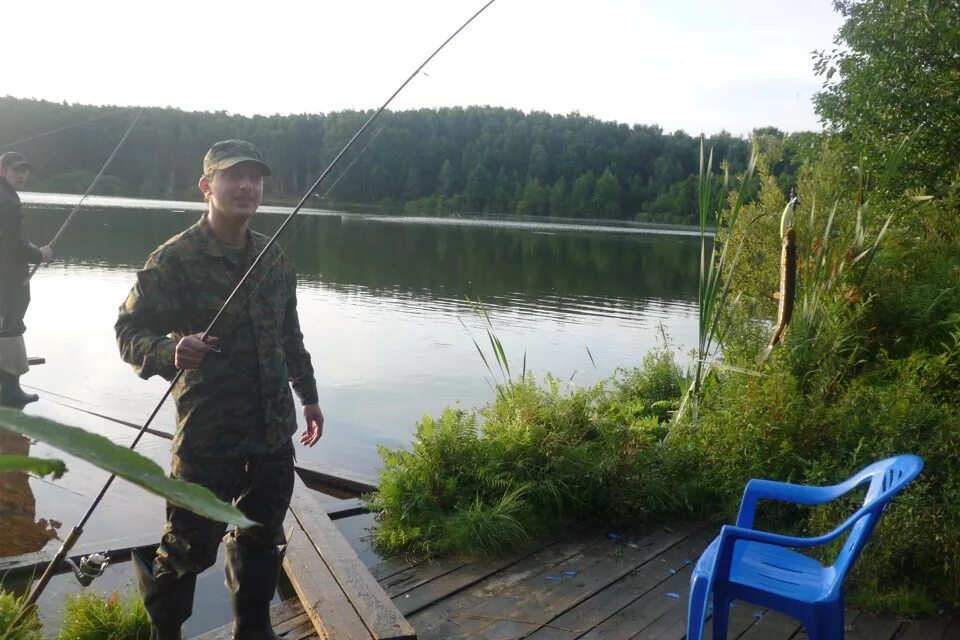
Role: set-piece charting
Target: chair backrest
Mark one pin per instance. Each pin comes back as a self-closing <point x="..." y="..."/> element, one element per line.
<point x="887" y="478"/>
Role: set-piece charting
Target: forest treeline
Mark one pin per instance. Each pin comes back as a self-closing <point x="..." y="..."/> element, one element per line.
<point x="437" y="161"/>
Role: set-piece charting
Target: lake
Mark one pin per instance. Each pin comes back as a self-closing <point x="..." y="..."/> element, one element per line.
<point x="384" y="309"/>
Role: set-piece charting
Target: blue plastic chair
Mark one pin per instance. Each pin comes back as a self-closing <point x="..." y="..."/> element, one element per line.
<point x="759" y="567"/>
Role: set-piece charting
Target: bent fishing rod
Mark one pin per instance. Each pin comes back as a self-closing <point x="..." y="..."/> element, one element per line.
<point x="96" y="179"/>
<point x="77" y="530"/>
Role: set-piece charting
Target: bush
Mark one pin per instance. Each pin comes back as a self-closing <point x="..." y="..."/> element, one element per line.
<point x="88" y="616"/>
<point x="537" y="457"/>
<point x="9" y="608"/>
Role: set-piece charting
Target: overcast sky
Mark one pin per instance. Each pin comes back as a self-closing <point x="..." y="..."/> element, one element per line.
<point x="696" y="65"/>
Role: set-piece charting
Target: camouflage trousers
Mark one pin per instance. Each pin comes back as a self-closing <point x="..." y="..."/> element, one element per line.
<point x="261" y="487"/>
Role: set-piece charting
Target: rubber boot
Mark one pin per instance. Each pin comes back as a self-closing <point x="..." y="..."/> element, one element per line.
<point x="11" y="395"/>
<point x="168" y="599"/>
<point x="252" y="573"/>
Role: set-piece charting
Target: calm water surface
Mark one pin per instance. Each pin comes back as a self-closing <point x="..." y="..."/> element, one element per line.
<point x="382" y="305"/>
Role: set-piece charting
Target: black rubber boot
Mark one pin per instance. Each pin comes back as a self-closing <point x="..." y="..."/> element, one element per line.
<point x="11" y="395"/>
<point x="252" y="573"/>
<point x="168" y="599"/>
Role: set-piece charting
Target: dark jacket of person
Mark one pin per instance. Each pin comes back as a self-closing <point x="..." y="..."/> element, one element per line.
<point x="16" y="252"/>
<point x="238" y="401"/>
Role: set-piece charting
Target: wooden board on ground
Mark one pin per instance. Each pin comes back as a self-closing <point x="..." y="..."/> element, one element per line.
<point x="288" y="619"/>
<point x="333" y="556"/>
<point x="533" y="594"/>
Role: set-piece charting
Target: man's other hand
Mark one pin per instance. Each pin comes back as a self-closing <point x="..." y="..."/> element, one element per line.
<point x="46" y="254"/>
<point x="314" y="418"/>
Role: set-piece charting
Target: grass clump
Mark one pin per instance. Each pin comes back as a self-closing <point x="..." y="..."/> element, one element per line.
<point x="88" y="616"/>
<point x="539" y="456"/>
<point x="10" y="606"/>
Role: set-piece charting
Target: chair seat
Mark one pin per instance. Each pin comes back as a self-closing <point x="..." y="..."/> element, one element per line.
<point x="776" y="570"/>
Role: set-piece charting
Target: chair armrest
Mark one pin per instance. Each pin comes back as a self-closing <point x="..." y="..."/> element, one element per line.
<point x="757" y="490"/>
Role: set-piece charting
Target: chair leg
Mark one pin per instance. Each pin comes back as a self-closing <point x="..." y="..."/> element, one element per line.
<point x="697" y="607"/>
<point x="721" y="616"/>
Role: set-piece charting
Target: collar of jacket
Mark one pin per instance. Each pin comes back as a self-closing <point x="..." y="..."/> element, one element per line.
<point x="7" y="190"/>
<point x="210" y="244"/>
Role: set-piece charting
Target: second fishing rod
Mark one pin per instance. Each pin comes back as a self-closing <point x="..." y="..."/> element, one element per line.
<point x="77" y="530"/>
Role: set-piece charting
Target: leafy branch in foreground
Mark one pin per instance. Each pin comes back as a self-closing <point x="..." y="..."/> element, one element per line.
<point x="125" y="463"/>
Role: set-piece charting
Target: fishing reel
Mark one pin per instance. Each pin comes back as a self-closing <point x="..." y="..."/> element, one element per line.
<point x="90" y="567"/>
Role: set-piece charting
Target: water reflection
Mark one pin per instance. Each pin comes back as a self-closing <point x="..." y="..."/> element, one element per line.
<point x="381" y="305"/>
<point x="22" y="531"/>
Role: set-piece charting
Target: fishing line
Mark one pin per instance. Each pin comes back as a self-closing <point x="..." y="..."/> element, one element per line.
<point x="96" y="179"/>
<point x="77" y="530"/>
<point x="58" y="130"/>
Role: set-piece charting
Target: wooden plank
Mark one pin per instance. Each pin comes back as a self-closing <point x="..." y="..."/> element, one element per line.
<point x="647" y="578"/>
<point x="488" y="576"/>
<point x="375" y="608"/>
<point x="330" y="610"/>
<point x="515" y="604"/>
<point x="952" y="632"/>
<point x="438" y="606"/>
<point x="280" y="616"/>
<point x="932" y="629"/>
<point x="406" y="581"/>
<point x="392" y="566"/>
<point x="340" y="479"/>
<point x="863" y="625"/>
<point x="345" y="508"/>
<point x="37" y="561"/>
<point x="771" y="625"/>
<point x="741" y="618"/>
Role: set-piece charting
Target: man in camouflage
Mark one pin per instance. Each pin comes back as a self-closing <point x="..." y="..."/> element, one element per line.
<point x="235" y="411"/>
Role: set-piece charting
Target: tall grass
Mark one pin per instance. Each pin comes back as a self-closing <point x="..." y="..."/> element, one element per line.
<point x="717" y="267"/>
<point x="10" y="606"/>
<point x="88" y="616"/>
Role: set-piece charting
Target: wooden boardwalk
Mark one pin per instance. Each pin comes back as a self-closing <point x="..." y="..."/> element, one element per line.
<point x="596" y="586"/>
<point x="589" y="586"/>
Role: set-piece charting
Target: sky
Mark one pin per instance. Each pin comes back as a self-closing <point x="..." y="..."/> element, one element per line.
<point x="697" y="65"/>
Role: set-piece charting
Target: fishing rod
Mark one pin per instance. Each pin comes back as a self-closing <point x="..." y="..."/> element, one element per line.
<point x="77" y="530"/>
<point x="59" y="129"/>
<point x="96" y="179"/>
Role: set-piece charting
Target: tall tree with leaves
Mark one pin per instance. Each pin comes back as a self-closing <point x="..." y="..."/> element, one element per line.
<point x="896" y="67"/>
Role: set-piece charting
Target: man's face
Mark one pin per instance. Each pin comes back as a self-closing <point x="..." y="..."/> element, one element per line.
<point x="235" y="191"/>
<point x="16" y="176"/>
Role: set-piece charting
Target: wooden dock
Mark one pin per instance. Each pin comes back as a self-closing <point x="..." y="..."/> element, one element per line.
<point x="583" y="586"/>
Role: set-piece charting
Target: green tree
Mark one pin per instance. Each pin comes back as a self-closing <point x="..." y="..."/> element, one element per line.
<point x="607" y="195"/>
<point x="581" y="195"/>
<point x="479" y="187"/>
<point x="895" y="67"/>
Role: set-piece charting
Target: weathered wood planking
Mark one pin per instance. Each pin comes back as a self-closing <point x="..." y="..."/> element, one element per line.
<point x="533" y="594"/>
<point x="653" y="580"/>
<point x="34" y="563"/>
<point x="374" y="607"/>
<point x="328" y="607"/>
<point x="287" y="618"/>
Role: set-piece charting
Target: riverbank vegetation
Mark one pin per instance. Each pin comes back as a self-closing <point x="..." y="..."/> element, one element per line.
<point x="869" y="367"/>
<point x="434" y="161"/>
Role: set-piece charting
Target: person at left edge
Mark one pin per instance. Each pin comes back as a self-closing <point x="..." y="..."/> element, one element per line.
<point x="16" y="255"/>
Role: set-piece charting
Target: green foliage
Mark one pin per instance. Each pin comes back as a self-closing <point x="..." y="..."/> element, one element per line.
<point x="88" y="616"/>
<point x="492" y="159"/>
<point x="894" y="68"/>
<point x="123" y="462"/>
<point x="537" y="457"/>
<point x="10" y="606"/>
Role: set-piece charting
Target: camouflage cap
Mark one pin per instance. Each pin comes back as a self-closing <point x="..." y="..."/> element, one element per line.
<point x="14" y="160"/>
<point x="226" y="153"/>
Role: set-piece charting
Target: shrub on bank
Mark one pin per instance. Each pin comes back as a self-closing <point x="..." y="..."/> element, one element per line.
<point x="88" y="616"/>
<point x="9" y="609"/>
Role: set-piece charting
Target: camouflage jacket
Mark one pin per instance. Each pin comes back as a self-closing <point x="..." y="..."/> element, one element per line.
<point x="238" y="401"/>
<point x="16" y="252"/>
